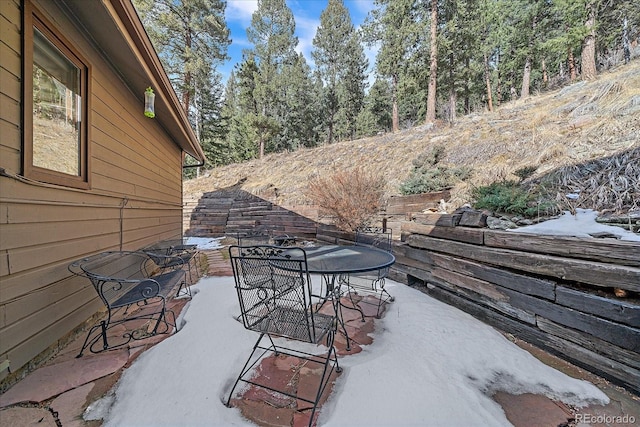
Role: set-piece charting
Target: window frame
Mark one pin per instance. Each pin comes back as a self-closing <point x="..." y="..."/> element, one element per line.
<point x="33" y="18"/>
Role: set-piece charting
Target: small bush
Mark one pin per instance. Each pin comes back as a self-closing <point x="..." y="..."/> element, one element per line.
<point x="427" y="176"/>
<point x="509" y="197"/>
<point x="352" y="197"/>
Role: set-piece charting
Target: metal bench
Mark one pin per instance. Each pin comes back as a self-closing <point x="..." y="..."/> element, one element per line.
<point x="133" y="288"/>
<point x="175" y="254"/>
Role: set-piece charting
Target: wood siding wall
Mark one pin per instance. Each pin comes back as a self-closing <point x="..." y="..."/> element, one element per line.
<point x="135" y="199"/>
<point x="553" y="292"/>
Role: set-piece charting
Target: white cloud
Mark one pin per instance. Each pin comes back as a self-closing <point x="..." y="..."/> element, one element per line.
<point x="306" y="29"/>
<point x="241" y="10"/>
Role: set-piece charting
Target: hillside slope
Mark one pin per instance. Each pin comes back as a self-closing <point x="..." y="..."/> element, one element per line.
<point x="587" y="134"/>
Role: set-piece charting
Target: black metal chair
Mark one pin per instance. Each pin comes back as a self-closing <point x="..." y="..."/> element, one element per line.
<point x="257" y="236"/>
<point x="372" y="283"/>
<point x="170" y="255"/>
<point x="274" y="286"/>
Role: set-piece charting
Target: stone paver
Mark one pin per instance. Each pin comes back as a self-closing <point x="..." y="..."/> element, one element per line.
<point x="27" y="417"/>
<point x="52" y="380"/>
<point x="71" y="405"/>
<point x="532" y="410"/>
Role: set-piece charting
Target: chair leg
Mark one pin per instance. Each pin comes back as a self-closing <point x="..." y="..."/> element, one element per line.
<point x="88" y="343"/>
<point x="326" y="373"/>
<point x="354" y="304"/>
<point x="330" y="359"/>
<point x="246" y="368"/>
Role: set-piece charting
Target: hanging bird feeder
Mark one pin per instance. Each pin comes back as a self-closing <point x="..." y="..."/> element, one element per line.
<point x="149" y="100"/>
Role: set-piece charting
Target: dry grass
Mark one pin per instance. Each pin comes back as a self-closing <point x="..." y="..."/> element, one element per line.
<point x="585" y="137"/>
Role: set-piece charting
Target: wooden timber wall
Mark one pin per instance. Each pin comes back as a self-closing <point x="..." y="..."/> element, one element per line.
<point x="553" y="292"/>
<point x="135" y="199"/>
<point x="230" y="211"/>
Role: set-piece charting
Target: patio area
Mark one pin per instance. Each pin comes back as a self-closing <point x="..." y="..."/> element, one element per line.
<point x="422" y="363"/>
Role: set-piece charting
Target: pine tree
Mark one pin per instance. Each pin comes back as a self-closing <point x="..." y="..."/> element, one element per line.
<point x="352" y="87"/>
<point x="433" y="62"/>
<point x="191" y="37"/>
<point x="375" y="117"/>
<point x="395" y="26"/>
<point x="272" y="34"/>
<point x="341" y="64"/>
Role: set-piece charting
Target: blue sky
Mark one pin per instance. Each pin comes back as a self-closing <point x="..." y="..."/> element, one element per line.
<point x="307" y="17"/>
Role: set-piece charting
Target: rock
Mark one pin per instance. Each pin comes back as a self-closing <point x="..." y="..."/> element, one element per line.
<point x="525" y="221"/>
<point x="471" y="218"/>
<point x="500" y="224"/>
<point x="604" y="235"/>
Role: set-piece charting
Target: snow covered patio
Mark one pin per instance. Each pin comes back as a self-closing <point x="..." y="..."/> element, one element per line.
<point x="426" y="364"/>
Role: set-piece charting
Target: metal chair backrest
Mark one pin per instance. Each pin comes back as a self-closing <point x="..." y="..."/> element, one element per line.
<point x="273" y="287"/>
<point x="113" y="273"/>
<point x="254" y="237"/>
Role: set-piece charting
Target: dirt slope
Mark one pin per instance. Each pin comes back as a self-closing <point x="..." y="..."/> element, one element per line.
<point x="568" y="128"/>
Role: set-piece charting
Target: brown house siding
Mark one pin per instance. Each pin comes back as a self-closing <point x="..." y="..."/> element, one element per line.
<point x="135" y="198"/>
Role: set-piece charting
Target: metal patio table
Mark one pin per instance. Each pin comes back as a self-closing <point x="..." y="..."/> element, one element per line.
<point x="336" y="262"/>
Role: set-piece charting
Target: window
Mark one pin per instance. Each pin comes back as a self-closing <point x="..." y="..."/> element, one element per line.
<point x="55" y="106"/>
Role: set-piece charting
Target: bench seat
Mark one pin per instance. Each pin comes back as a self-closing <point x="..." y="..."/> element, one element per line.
<point x="124" y="281"/>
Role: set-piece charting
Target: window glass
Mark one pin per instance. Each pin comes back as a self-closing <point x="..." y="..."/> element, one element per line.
<point x="57" y="108"/>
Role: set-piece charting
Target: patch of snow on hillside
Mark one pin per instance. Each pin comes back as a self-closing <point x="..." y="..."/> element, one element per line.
<point x="583" y="224"/>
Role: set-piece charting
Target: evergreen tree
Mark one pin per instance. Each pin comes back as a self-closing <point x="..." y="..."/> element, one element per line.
<point x="394" y="26"/>
<point x="191" y="37"/>
<point x="460" y="49"/>
<point x="272" y="34"/>
<point x="619" y="27"/>
<point x="239" y="139"/>
<point x="352" y="87"/>
<point x="341" y="64"/>
<point x="299" y="117"/>
<point x="375" y="117"/>
<point x="433" y="62"/>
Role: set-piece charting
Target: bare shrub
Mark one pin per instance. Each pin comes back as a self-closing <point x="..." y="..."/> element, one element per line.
<point x="353" y="197"/>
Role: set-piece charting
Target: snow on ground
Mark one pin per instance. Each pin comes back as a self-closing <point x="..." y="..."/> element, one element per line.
<point x="430" y="365"/>
<point x="205" y="243"/>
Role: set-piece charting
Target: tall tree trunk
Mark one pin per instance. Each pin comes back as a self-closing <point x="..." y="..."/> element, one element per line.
<point x="488" y="82"/>
<point x="499" y="82"/>
<point x="452" y="89"/>
<point x="330" y="130"/>
<point x="395" y="121"/>
<point x="433" y="66"/>
<point x="572" y="65"/>
<point x="526" y="79"/>
<point x="261" y="155"/>
<point x="589" y="44"/>
<point x="452" y="106"/>
<point x="526" y="75"/>
<point x="186" y="99"/>
<point x="467" y="90"/>
<point x="625" y="40"/>
<point x="187" y="79"/>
